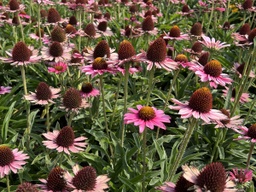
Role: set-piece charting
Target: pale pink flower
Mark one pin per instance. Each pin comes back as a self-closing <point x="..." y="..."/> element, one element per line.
<point x="246" y="133"/>
<point x="181" y="185"/>
<point x="213" y="44"/>
<point x="94" y="183"/>
<point x="240" y="176"/>
<point x="11" y="160"/>
<point x="64" y="141"/>
<point x="199" y="106"/>
<point x="245" y="97"/>
<point x="4" y="90"/>
<point x="58" y="68"/>
<point x="239" y="68"/>
<point x="88" y="90"/>
<point x="146" y="116"/>
<point x="175" y="34"/>
<point x="43" y="95"/>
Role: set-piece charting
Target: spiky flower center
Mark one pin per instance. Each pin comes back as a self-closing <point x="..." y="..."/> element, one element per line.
<point x="157" y="50"/>
<point x="55" y="180"/>
<point x="226" y="25"/>
<point x="101" y="50"/>
<point x="58" y="67"/>
<point x="196" y="29"/>
<point x="225" y="112"/>
<point x="201" y="100"/>
<point x="85" y="179"/>
<point x="70" y="29"/>
<point x="99" y="64"/>
<point x="72" y="99"/>
<point x="87" y="88"/>
<point x="252" y="131"/>
<point x="185" y="9"/>
<point x="103" y="26"/>
<point x="252" y="35"/>
<point x="126" y="50"/>
<point x="181" y="58"/>
<point x="90" y="30"/>
<point x="174" y="31"/>
<point x="26" y="187"/>
<point x="56" y="49"/>
<point x="6" y="155"/>
<point x="66" y="137"/>
<point x="212" y="178"/>
<point x="183" y="185"/>
<point x="247" y="4"/>
<point x="72" y="20"/>
<point x="43" y="92"/>
<point x="146" y="113"/>
<point x="240" y="68"/>
<point x="148" y="24"/>
<point x="213" y="68"/>
<point x="203" y="59"/>
<point x="53" y="16"/>
<point x="14" y="5"/>
<point x="40" y="32"/>
<point x="197" y="47"/>
<point x="58" y="34"/>
<point x="245" y="29"/>
<point x="15" y="20"/>
<point x="21" y="52"/>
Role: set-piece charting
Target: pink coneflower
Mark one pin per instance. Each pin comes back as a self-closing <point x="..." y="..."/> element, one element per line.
<point x="88" y="90"/>
<point x="55" y="181"/>
<point x="213" y="177"/>
<point x="157" y="56"/>
<point x="212" y="73"/>
<point x="27" y="187"/>
<point x="4" y="90"/>
<point x="90" y="31"/>
<point x="44" y="37"/>
<point x="131" y="32"/>
<point x="21" y="55"/>
<point x="247" y="133"/>
<point x="182" y="185"/>
<point x="58" y="68"/>
<point x="11" y="160"/>
<point x="230" y="122"/>
<point x="245" y="97"/>
<point x="240" y="176"/>
<point x="185" y="10"/>
<point x="199" y="106"/>
<point x="239" y="68"/>
<point x="175" y="34"/>
<point x="213" y="44"/>
<point x="99" y="67"/>
<point x="196" y="49"/>
<point x="14" y="6"/>
<point x="64" y="141"/>
<point x="182" y="60"/>
<point x="43" y="95"/>
<point x="146" y="116"/>
<point x="86" y="179"/>
<point x="147" y="26"/>
<point x="196" y="30"/>
<point x="102" y="28"/>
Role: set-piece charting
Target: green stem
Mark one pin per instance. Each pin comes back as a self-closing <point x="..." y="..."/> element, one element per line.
<point x="182" y="148"/>
<point x="47" y="117"/>
<point x="219" y="136"/>
<point x="210" y="19"/>
<point x="71" y="116"/>
<point x="8" y="183"/>
<point x="150" y="84"/>
<point x="39" y="23"/>
<point x="21" y="29"/>
<point x="250" y="155"/>
<point x="144" y="169"/>
<point x="126" y="77"/>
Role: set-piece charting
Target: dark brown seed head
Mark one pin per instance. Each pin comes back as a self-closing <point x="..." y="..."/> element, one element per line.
<point x="14" y="5"/>
<point x="87" y="88"/>
<point x="196" y="29"/>
<point x="157" y="50"/>
<point x="98" y="15"/>
<point x="6" y="155"/>
<point x="21" y="52"/>
<point x="251" y="35"/>
<point x="245" y="29"/>
<point x="56" y="49"/>
<point x="41" y="32"/>
<point x="72" y="20"/>
<point x="15" y="20"/>
<point x="101" y="50"/>
<point x="126" y="50"/>
<point x="53" y="16"/>
<point x="148" y="13"/>
<point x="55" y="180"/>
<point x="148" y="24"/>
<point x="58" y="34"/>
<point x="103" y="26"/>
<point x="75" y="59"/>
<point x="240" y="68"/>
<point x="107" y="15"/>
<point x="201" y="100"/>
<point x="197" y="47"/>
<point x="85" y="179"/>
<point x="175" y="31"/>
<point x="133" y="8"/>
<point x="203" y="59"/>
<point x="226" y="25"/>
<point x="99" y="64"/>
<point x="72" y="99"/>
<point x="70" y="29"/>
<point x="183" y="185"/>
<point x="43" y="13"/>
<point x="124" y="1"/>
<point x="185" y="9"/>
<point x="247" y="4"/>
<point x="252" y="131"/>
<point x="213" y="68"/>
<point x="146" y="113"/>
<point x="66" y="137"/>
<point x="5" y="16"/>
<point x="90" y="30"/>
<point x="43" y="91"/>
<point x="225" y="112"/>
<point x="27" y="187"/>
<point x="81" y="1"/>
<point x="181" y="58"/>
<point x="212" y="178"/>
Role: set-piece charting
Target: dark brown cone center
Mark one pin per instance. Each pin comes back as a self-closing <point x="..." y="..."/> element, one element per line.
<point x="14" y="5"/>
<point x="55" y="180"/>
<point x="27" y="187"/>
<point x="103" y="26"/>
<point x="99" y="64"/>
<point x="90" y="30"/>
<point x="175" y="31"/>
<point x="252" y="131"/>
<point x="157" y="51"/>
<point x="87" y="88"/>
<point x="43" y="92"/>
<point x="72" y="20"/>
<point x="146" y="113"/>
<point x="181" y="58"/>
<point x="66" y="137"/>
<point x="247" y="4"/>
<point x="203" y="59"/>
<point x="126" y="50"/>
<point x="21" y="52"/>
<point x="101" y="50"/>
<point x="148" y="24"/>
<point x="183" y="185"/>
<point x="197" y="47"/>
<point x="196" y="29"/>
<point x="213" y="68"/>
<point x="56" y="49"/>
<point x="240" y="68"/>
<point x="58" y="34"/>
<point x="85" y="179"/>
<point x="53" y="16"/>
<point x="252" y="35"/>
<point x="6" y="155"/>
<point x="245" y="29"/>
<point x="225" y="112"/>
<point x="72" y="99"/>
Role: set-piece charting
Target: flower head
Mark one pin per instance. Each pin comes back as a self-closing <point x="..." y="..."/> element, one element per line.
<point x="64" y="141"/>
<point x="57" y="68"/>
<point x="88" y="90"/>
<point x="196" y="29"/>
<point x="247" y="133"/>
<point x="11" y="160"/>
<point x="240" y="176"/>
<point x="213" y="44"/>
<point x="146" y="116"/>
<point x="199" y="106"/>
<point x="27" y="187"/>
<point x="86" y="179"/>
<point x="43" y="95"/>
<point x="4" y="90"/>
<point x="245" y="97"/>
<point x="175" y="34"/>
